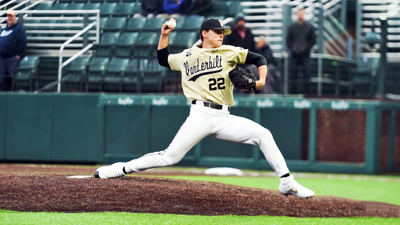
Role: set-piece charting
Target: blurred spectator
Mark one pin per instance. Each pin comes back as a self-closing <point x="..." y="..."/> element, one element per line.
<point x="241" y="36"/>
<point x="274" y="77"/>
<point x="12" y="47"/>
<point x="150" y="8"/>
<point x="174" y="8"/>
<point x="299" y="40"/>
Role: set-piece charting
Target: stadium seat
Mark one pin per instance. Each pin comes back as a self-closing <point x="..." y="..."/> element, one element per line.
<point x="114" y="73"/>
<point x="91" y="6"/>
<point x="180" y="22"/>
<point x="215" y="17"/>
<point x="97" y="68"/>
<point x="234" y="9"/>
<point x="77" y="73"/>
<point x="152" y="78"/>
<point x="131" y="79"/>
<point x="26" y="73"/>
<point x="146" y="45"/>
<point x="107" y="9"/>
<point x="124" y="9"/>
<point x="107" y="44"/>
<point x="153" y="24"/>
<point x="44" y="6"/>
<point x="103" y="22"/>
<point x="76" y="6"/>
<point x="184" y="40"/>
<point x="219" y="8"/>
<point x="135" y="24"/>
<point x="115" y="24"/>
<point x="125" y="44"/>
<point x="138" y="8"/>
<point x="60" y="6"/>
<point x="193" y="23"/>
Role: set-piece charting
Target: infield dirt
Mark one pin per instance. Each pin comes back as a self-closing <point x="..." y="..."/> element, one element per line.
<point x="38" y="192"/>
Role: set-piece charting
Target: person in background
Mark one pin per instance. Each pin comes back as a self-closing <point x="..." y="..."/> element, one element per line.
<point x="12" y="47"/>
<point x="151" y="8"/>
<point x="241" y="36"/>
<point x="274" y="76"/>
<point x="299" y="40"/>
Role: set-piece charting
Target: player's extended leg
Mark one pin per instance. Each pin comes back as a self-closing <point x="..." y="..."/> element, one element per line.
<point x="194" y="129"/>
<point x="242" y="130"/>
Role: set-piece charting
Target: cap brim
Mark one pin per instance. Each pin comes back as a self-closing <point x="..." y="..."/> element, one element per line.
<point x="227" y="30"/>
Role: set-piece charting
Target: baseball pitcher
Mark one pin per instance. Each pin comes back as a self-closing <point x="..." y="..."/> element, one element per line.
<point x="208" y="77"/>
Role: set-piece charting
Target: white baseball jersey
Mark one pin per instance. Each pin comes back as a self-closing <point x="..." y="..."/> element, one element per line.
<point x="205" y="72"/>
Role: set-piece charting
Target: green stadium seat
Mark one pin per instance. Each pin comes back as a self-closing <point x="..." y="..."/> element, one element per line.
<point x="180" y="22"/>
<point x="60" y="6"/>
<point x="107" y="9"/>
<point x="77" y="73"/>
<point x="92" y="6"/>
<point x="171" y="38"/>
<point x="234" y="9"/>
<point x="81" y="1"/>
<point x="96" y="71"/>
<point x="114" y="73"/>
<point x="107" y="44"/>
<point x="138" y="8"/>
<point x="124" y="9"/>
<point x="126" y="44"/>
<point x="184" y="40"/>
<point x="152" y="78"/>
<point x="219" y="8"/>
<point x="153" y="24"/>
<point x="103" y="22"/>
<point x="146" y="45"/>
<point x="26" y="73"/>
<point x="44" y="6"/>
<point x="135" y="24"/>
<point x="193" y="23"/>
<point x="131" y="79"/>
<point x="115" y="24"/>
<point x="76" y="6"/>
<point x="215" y="17"/>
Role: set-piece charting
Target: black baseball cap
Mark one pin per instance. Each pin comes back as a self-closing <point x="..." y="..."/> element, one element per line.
<point x="215" y="24"/>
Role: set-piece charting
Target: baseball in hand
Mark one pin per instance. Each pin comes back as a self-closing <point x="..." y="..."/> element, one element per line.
<point x="171" y="24"/>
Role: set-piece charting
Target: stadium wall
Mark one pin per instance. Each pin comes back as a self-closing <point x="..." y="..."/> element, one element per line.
<point x="79" y="128"/>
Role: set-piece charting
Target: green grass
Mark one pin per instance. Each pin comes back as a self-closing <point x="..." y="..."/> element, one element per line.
<point x="7" y="217"/>
<point x="362" y="187"/>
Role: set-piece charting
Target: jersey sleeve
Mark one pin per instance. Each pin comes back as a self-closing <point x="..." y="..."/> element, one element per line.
<point x="175" y="61"/>
<point x="237" y="55"/>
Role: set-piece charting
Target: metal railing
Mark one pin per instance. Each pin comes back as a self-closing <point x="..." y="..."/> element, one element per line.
<point x="373" y="10"/>
<point x="88" y="20"/>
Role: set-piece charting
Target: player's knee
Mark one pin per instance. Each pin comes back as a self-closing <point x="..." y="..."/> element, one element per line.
<point x="172" y="159"/>
<point x="264" y="134"/>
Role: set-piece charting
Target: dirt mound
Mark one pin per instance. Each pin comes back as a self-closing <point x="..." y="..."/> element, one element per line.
<point x="57" y="193"/>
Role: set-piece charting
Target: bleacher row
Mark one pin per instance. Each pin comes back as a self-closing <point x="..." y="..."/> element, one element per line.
<point x="124" y="39"/>
<point x="126" y="8"/>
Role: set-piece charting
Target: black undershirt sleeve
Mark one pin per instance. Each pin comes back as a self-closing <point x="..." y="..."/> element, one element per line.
<point x="162" y="56"/>
<point x="256" y="59"/>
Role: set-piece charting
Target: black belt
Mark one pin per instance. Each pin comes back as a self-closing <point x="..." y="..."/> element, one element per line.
<point x="211" y="105"/>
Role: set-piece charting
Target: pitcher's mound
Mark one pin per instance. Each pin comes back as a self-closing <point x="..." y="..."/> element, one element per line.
<point x="56" y="193"/>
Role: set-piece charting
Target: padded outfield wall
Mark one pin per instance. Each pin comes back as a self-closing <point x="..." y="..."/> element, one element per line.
<point x="96" y="128"/>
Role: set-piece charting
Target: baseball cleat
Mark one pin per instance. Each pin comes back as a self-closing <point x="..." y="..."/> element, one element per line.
<point x="289" y="186"/>
<point x="112" y="171"/>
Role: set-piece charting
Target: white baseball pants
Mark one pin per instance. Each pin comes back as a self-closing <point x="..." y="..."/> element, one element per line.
<point x="204" y="121"/>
